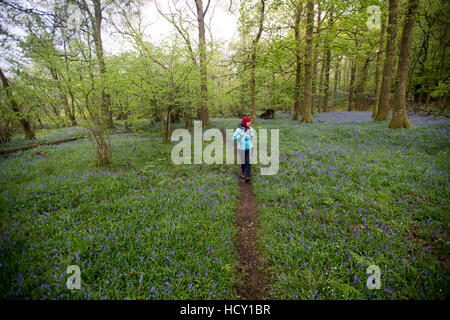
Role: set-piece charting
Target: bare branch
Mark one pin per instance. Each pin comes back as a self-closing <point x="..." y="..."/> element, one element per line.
<point x="183" y="32"/>
<point x="207" y="6"/>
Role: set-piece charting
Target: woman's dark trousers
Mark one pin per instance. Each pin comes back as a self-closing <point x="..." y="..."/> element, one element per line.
<point x="245" y="167"/>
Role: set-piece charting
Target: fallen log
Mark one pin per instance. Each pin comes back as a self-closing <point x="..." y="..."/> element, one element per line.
<point x="31" y="146"/>
<point x="428" y="111"/>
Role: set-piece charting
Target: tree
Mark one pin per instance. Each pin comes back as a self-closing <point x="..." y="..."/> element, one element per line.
<point x="327" y="76"/>
<point x="351" y="88"/>
<point x="175" y="17"/>
<point x="203" y="70"/>
<point x="377" y="69"/>
<point x="96" y="19"/>
<point x="337" y="75"/>
<point x="399" y="116"/>
<point x="429" y="54"/>
<point x="386" y="83"/>
<point x="253" y="61"/>
<point x="298" y="59"/>
<point x="29" y="134"/>
<point x="315" y="56"/>
<point x="307" y="104"/>
<point x="362" y="82"/>
<point x="328" y="60"/>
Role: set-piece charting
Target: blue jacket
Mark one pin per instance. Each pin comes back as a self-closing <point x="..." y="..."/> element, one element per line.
<point x="245" y="142"/>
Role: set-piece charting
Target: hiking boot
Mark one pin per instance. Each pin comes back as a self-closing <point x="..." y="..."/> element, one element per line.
<point x="247" y="179"/>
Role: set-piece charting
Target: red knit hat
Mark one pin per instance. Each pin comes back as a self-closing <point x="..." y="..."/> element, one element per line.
<point x="245" y="120"/>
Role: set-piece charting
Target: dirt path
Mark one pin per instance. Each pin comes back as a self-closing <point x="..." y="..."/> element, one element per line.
<point x="250" y="267"/>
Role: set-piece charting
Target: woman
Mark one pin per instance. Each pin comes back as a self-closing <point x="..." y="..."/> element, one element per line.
<point x="245" y="135"/>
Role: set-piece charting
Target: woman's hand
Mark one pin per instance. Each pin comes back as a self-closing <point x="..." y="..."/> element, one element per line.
<point x="242" y="132"/>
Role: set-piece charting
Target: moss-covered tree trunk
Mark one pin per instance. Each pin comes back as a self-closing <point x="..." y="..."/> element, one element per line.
<point x="307" y="105"/>
<point x="315" y="56"/>
<point x="386" y="83"/>
<point x="399" y="116"/>
<point x="298" y="68"/>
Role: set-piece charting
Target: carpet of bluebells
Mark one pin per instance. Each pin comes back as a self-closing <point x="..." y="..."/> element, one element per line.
<point x="141" y="228"/>
<point x="351" y="193"/>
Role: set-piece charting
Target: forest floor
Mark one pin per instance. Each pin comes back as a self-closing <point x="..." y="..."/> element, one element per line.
<point x="349" y="194"/>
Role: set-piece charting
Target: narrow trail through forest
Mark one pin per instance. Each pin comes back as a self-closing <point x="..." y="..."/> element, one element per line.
<point x="250" y="266"/>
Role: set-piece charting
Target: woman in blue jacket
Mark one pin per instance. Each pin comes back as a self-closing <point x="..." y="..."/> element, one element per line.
<point x="244" y="135"/>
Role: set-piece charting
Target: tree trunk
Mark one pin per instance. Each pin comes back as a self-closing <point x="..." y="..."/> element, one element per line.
<point x="5" y="131"/>
<point x="55" y="111"/>
<point x="106" y="100"/>
<point x="168" y="129"/>
<point x="307" y="105"/>
<point x="253" y="62"/>
<point x="352" y="81"/>
<point x="72" y="117"/>
<point x="188" y="122"/>
<point x="62" y="95"/>
<point x="41" y="125"/>
<point x="298" y="69"/>
<point x="399" y="116"/>
<point x="242" y="112"/>
<point x="315" y="56"/>
<point x="203" y="110"/>
<point x="327" y="78"/>
<point x="422" y="64"/>
<point x="336" y="81"/>
<point x="322" y="74"/>
<point x="72" y="99"/>
<point x="378" y="70"/>
<point x="362" y="84"/>
<point x="272" y="91"/>
<point x="253" y="85"/>
<point x="29" y="134"/>
<point x="386" y="83"/>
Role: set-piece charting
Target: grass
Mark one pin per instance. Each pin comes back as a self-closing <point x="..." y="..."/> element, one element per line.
<point x="349" y="194"/>
<point x="141" y="228"/>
